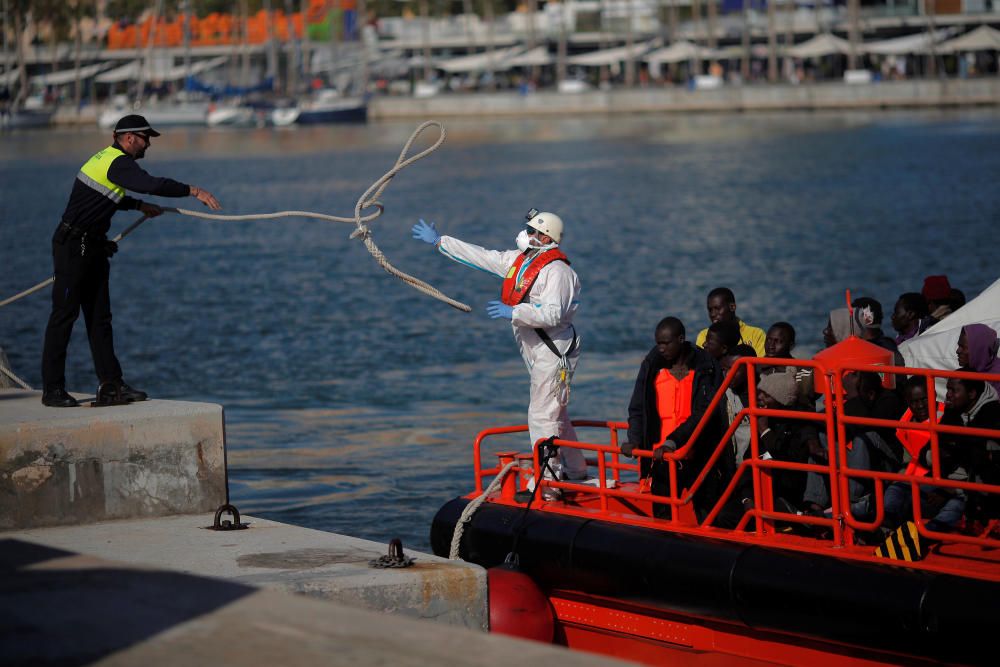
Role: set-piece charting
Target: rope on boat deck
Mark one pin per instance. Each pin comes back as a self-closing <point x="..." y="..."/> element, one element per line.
<point x="367" y="200"/>
<point x="470" y="509"/>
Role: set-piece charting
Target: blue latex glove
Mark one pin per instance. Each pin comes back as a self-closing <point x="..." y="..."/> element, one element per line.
<point x="426" y="233"/>
<point x="498" y="309"/>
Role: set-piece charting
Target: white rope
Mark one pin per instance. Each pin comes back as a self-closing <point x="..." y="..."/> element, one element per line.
<point x="367" y="200"/>
<point x="470" y="509"/>
<point x="9" y="373"/>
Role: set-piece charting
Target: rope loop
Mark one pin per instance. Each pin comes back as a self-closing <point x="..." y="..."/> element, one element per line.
<point x="369" y="199"/>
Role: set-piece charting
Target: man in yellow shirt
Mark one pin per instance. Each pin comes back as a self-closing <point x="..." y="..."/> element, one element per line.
<point x="722" y="308"/>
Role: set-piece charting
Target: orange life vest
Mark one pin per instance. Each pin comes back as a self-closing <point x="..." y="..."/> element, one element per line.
<point x="523" y="272"/>
<point x="915" y="441"/>
<point x="673" y="401"/>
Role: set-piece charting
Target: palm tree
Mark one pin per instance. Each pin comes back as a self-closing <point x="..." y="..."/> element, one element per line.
<point x="772" y="45"/>
<point x="745" y="43"/>
<point x="853" y="32"/>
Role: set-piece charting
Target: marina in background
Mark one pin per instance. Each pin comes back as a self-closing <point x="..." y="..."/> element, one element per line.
<point x="323" y="61"/>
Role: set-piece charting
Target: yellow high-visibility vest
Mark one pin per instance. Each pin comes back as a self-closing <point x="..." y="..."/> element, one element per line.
<point x="94" y="173"/>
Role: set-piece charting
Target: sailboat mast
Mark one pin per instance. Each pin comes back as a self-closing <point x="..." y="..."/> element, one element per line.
<point x="147" y="63"/>
<point x="186" y="30"/>
<point x="361" y="19"/>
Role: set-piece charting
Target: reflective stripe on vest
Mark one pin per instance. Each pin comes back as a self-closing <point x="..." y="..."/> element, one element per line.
<point x="94" y="174"/>
<point x="522" y="273"/>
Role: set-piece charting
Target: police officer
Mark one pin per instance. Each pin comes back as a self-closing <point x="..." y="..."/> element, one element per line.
<point x="80" y="253"/>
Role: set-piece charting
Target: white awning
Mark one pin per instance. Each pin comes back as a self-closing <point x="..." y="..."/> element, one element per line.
<point x="679" y="52"/>
<point x="983" y="38"/>
<point x="68" y="75"/>
<point x="611" y="56"/>
<point x="919" y="43"/>
<point x="537" y="56"/>
<point x="130" y="71"/>
<point x="821" y="45"/>
<point x="9" y="77"/>
<point x="480" y="62"/>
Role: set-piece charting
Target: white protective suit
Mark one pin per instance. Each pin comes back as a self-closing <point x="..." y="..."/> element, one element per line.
<point x="551" y="305"/>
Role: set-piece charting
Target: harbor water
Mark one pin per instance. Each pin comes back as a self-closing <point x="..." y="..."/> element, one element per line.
<point x="352" y="400"/>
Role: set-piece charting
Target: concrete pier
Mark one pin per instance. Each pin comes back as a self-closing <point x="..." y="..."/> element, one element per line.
<point x="63" y="608"/>
<point x="158" y="587"/>
<point x="286" y="558"/>
<point x="79" y="465"/>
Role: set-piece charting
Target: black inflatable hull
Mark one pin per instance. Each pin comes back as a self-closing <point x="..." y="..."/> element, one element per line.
<point x="882" y="608"/>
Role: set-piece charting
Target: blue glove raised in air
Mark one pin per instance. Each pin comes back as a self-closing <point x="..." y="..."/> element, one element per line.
<point x="498" y="309"/>
<point x="426" y="233"/>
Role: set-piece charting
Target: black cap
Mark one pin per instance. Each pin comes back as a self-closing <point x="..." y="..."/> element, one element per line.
<point x="135" y="123"/>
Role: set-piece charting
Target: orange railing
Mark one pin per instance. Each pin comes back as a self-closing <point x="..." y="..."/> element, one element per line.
<point x="841" y="524"/>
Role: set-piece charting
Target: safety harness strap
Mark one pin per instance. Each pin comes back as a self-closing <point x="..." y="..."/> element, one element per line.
<point x="552" y="346"/>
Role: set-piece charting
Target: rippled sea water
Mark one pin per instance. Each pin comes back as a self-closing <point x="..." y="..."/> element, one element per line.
<point x="352" y="400"/>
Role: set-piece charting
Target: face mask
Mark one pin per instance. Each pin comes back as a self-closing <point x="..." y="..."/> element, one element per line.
<point x="523" y="241"/>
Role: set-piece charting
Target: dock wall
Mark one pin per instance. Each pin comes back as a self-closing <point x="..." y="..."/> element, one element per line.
<point x="812" y="97"/>
<point x="80" y="465"/>
<point x="158" y="469"/>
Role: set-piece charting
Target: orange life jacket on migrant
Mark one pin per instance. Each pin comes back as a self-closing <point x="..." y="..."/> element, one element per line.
<point x="673" y="401"/>
<point x="523" y="272"/>
<point x="915" y="441"/>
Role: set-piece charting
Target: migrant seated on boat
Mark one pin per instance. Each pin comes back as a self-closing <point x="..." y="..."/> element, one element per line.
<point x="943" y="506"/>
<point x="869" y="448"/>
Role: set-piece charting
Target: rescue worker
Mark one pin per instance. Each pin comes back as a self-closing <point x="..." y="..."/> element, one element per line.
<point x="80" y="254"/>
<point x="540" y="297"/>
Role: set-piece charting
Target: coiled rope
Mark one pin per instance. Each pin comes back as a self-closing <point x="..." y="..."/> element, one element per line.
<point x="470" y="509"/>
<point x="370" y="199"/>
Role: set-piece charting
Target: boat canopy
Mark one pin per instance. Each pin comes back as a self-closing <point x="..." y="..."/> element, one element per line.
<point x="681" y="51"/>
<point x="824" y="44"/>
<point x="919" y="43"/>
<point x="131" y="71"/>
<point x="495" y="61"/>
<point x="612" y="56"/>
<point x="124" y="72"/>
<point x="68" y="75"/>
<point x="935" y="348"/>
<point x="983" y="38"/>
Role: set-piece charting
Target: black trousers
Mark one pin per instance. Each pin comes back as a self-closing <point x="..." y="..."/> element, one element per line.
<point x="82" y="270"/>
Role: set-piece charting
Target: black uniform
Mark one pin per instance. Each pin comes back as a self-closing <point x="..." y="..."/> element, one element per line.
<point x="80" y="258"/>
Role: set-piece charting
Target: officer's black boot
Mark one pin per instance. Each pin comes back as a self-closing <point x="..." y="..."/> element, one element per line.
<point x="109" y="393"/>
<point x="57" y="397"/>
<point x="131" y="393"/>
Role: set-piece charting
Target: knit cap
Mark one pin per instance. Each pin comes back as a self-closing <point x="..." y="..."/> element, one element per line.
<point x="936" y="288"/>
<point x="779" y="386"/>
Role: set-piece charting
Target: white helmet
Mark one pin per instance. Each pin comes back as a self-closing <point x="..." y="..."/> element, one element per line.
<point x="549" y="224"/>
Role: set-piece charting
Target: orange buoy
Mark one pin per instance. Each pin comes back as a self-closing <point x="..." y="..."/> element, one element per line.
<point x="517" y="605"/>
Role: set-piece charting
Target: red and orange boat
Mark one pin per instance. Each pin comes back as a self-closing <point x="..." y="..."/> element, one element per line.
<point x="779" y="588"/>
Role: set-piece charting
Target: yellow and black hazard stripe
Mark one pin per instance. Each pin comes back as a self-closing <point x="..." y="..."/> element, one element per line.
<point x="902" y="544"/>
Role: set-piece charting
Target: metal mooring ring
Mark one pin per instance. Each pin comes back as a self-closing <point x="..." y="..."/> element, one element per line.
<point x="396" y="549"/>
<point x="235" y="524"/>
